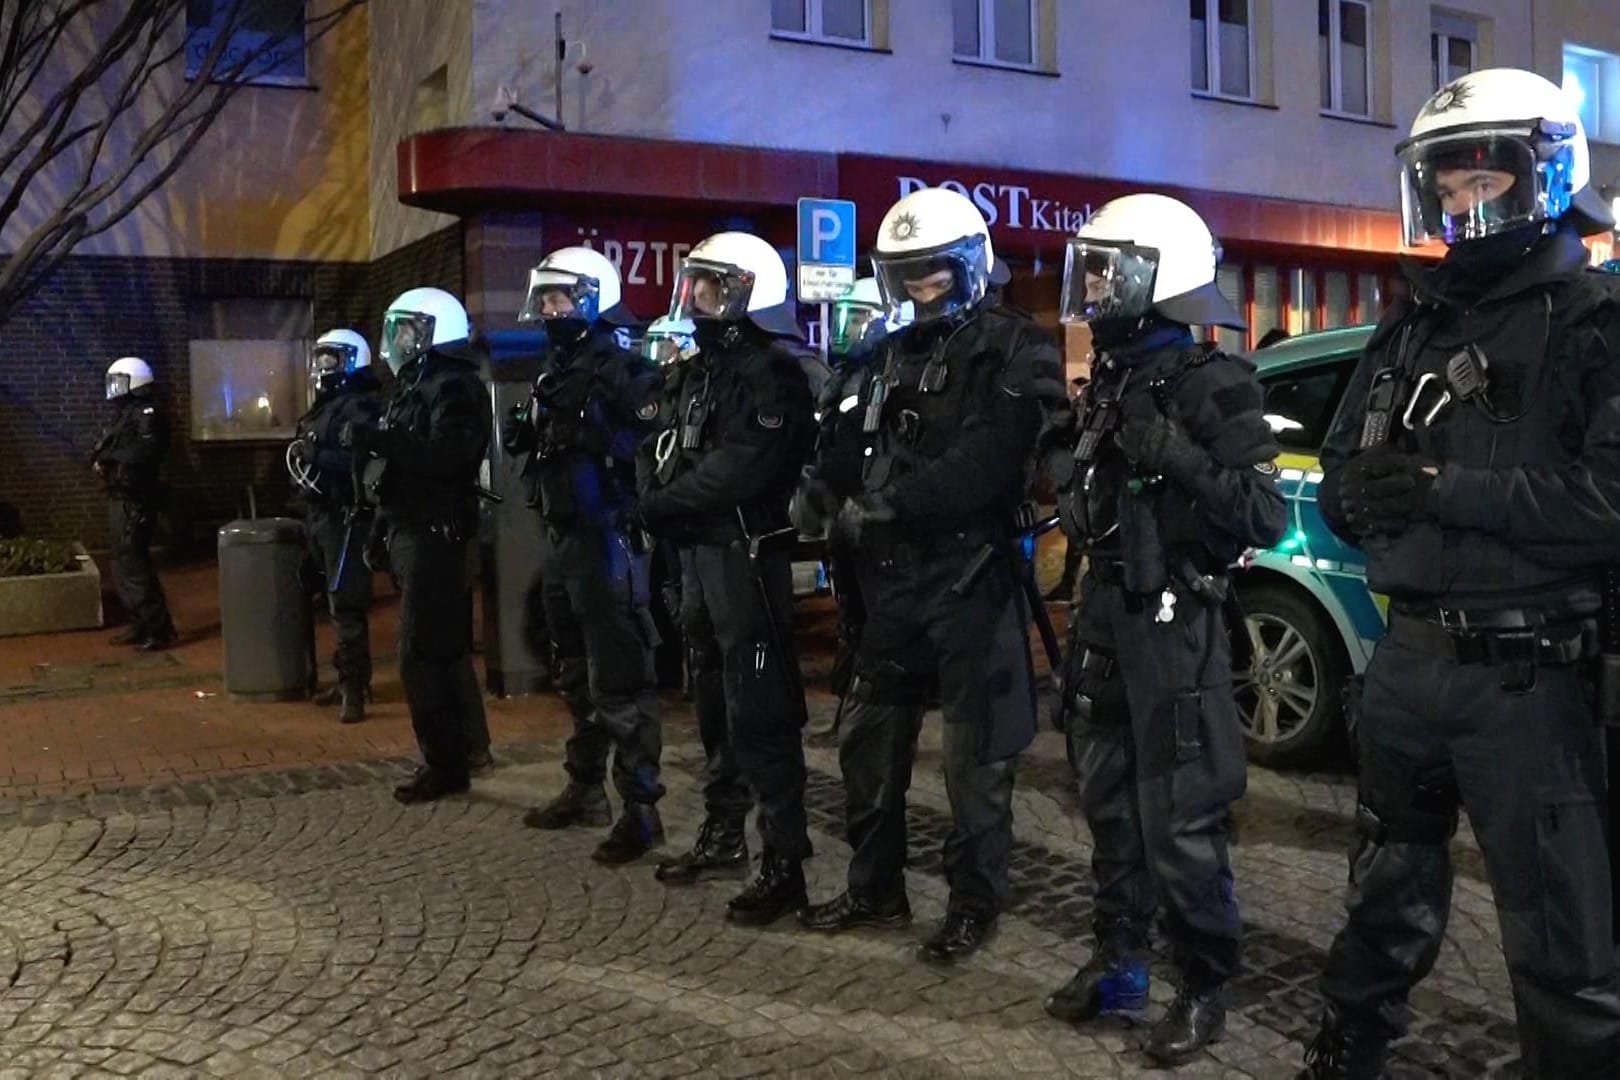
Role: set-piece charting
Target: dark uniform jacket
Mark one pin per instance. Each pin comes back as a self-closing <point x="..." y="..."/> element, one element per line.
<point x="594" y="403"/>
<point x="356" y="402"/>
<point x="133" y="445"/>
<point x="1205" y="518"/>
<point x="736" y="427"/>
<point x="1526" y="508"/>
<point x="962" y="402"/>
<point x="432" y="438"/>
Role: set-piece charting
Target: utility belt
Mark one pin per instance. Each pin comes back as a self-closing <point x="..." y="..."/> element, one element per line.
<point x="1497" y="638"/>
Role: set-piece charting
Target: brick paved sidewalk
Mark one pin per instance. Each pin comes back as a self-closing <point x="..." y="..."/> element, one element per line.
<point x="79" y="714"/>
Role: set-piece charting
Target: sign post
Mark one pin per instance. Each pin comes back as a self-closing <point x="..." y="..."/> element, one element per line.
<point x="826" y="255"/>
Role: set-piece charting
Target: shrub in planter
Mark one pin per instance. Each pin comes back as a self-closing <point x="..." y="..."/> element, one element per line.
<point x="27" y="558"/>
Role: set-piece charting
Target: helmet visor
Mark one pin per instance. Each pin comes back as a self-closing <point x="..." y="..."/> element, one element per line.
<point x="407" y="336"/>
<point x="851" y="323"/>
<point x="117" y="384"/>
<point x="709" y="290"/>
<point x="330" y="363"/>
<point x="1107" y="280"/>
<point x="1465" y="185"/>
<point x="938" y="282"/>
<point x="560" y="294"/>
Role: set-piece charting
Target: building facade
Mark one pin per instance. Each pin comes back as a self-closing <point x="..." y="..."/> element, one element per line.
<point x="382" y="165"/>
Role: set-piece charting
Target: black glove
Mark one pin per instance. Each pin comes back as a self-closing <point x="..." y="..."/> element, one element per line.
<point x="1397" y="493"/>
<point x="375" y="553"/>
<point x="860" y="514"/>
<point x="1384" y="490"/>
<point x="1156" y="446"/>
<point x="813" y="504"/>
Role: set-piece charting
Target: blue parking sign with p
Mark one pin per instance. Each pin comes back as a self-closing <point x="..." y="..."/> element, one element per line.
<point x="827" y="232"/>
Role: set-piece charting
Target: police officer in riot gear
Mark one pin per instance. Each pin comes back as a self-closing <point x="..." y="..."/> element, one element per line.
<point x="1477" y="462"/>
<point x="923" y="475"/>
<point x="716" y="480"/>
<point x="859" y="321"/>
<point x="127" y="460"/>
<point x="1169" y="479"/>
<point x="344" y="391"/>
<point x="423" y="473"/>
<point x="580" y="430"/>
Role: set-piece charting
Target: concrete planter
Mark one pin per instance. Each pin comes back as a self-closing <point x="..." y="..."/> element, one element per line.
<point x="48" y="603"/>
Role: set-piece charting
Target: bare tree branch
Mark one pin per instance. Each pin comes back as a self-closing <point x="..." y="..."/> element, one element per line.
<point x="89" y="119"/>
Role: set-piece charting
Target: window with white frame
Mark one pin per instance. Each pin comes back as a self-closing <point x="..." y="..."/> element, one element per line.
<point x="1453" y="47"/>
<point x="249" y="360"/>
<point x="996" y="31"/>
<point x="842" y="22"/>
<point x="267" y="43"/>
<point x="1592" y="82"/>
<point x="1344" y="31"/>
<point x="1223" y="48"/>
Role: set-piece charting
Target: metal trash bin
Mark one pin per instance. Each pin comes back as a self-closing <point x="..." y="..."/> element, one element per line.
<point x="264" y="610"/>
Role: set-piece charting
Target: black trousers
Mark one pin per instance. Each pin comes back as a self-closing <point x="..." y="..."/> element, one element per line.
<point x="922" y="640"/>
<point x="595" y="592"/>
<point x="1528" y="766"/>
<point x="130" y="522"/>
<point x="1160" y="759"/>
<point x="348" y="599"/>
<point x="749" y="701"/>
<point x="434" y="573"/>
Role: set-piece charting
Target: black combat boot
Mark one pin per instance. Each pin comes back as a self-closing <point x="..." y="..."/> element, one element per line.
<point x="1112" y="983"/>
<point x="428" y="785"/>
<point x="777" y="890"/>
<point x="1341" y="1051"/>
<point x="721" y="850"/>
<point x="847" y="912"/>
<point x="157" y="640"/>
<point x="1196" y="1019"/>
<point x="638" y="830"/>
<point x="959" y="936"/>
<point x="576" y="804"/>
<point x="354" y="703"/>
<point x="129" y="635"/>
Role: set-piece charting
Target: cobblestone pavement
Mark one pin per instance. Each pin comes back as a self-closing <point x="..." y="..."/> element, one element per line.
<point x="301" y="923"/>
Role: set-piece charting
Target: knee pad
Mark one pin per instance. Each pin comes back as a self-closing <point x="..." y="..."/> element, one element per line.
<point x="1400" y="804"/>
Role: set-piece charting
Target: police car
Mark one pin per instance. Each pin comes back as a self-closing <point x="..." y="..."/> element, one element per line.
<point x="1310" y="614"/>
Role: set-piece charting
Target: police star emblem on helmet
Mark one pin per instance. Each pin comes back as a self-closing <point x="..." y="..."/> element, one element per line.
<point x="1453" y="95"/>
<point x="904" y="228"/>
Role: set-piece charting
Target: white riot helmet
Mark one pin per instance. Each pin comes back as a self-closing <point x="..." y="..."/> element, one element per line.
<point x="584" y="276"/>
<point x="1141" y="255"/>
<point x="1493" y="151"/>
<point x="732" y="276"/>
<point x="933" y="250"/>
<point x="860" y="318"/>
<point x="669" y="341"/>
<point x="125" y="374"/>
<point x="420" y="320"/>
<point x="337" y="355"/>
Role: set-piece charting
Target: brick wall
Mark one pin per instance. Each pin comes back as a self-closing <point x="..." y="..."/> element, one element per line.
<point x="95" y="309"/>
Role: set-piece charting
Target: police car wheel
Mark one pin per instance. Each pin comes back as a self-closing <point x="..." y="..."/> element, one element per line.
<point x="1290" y="700"/>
